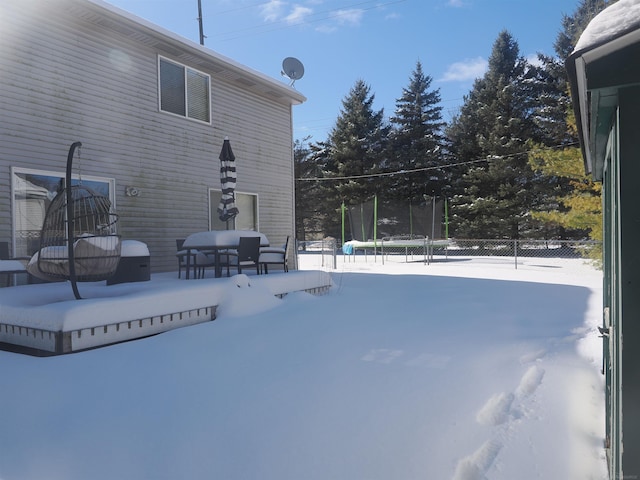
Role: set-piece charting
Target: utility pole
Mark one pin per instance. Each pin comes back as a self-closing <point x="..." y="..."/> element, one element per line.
<point x="200" y="22"/>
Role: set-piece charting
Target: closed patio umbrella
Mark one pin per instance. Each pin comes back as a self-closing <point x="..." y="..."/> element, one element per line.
<point x="227" y="209"/>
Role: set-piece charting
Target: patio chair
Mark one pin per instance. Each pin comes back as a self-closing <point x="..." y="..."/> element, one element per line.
<point x="248" y="254"/>
<point x="13" y="266"/>
<point x="274" y="256"/>
<point x="198" y="261"/>
<point x="4" y="255"/>
<point x="226" y="259"/>
<point x="78" y="240"/>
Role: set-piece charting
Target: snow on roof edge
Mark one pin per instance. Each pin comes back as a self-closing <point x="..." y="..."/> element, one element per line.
<point x="614" y="21"/>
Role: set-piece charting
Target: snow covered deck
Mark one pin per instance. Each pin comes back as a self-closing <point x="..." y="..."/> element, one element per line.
<point x="46" y="319"/>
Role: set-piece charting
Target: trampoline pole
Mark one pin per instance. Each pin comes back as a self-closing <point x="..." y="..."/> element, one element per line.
<point x="433" y="216"/>
<point x="342" y="213"/>
<point x="410" y="219"/>
<point x="446" y="218"/>
<point x="375" y="227"/>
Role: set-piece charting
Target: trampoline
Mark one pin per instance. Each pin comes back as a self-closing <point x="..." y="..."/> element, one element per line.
<point x="397" y="245"/>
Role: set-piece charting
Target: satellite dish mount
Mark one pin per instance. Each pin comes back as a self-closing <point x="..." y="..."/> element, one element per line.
<point x="293" y="69"/>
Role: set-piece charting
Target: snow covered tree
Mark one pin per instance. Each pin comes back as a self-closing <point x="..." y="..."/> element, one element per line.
<point x="317" y="206"/>
<point x="307" y="191"/>
<point x="574" y="25"/>
<point x="577" y="199"/>
<point x="357" y="145"/>
<point x="498" y="189"/>
<point x="550" y="77"/>
<point x="579" y="211"/>
<point x="416" y="141"/>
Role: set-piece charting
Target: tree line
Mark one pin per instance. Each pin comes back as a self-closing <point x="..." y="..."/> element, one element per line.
<point x="508" y="163"/>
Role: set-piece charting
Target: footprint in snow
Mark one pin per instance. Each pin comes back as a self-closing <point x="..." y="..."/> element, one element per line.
<point x="476" y="465"/>
<point x="499" y="408"/>
<point x="530" y="381"/>
<point x="496" y="410"/>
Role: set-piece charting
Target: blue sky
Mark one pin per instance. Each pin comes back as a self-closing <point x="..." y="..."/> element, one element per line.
<point x="379" y="41"/>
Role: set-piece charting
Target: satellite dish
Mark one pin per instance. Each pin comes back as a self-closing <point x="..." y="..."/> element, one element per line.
<point x="293" y="69"/>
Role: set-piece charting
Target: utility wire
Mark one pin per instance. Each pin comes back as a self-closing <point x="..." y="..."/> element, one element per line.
<point x="424" y="169"/>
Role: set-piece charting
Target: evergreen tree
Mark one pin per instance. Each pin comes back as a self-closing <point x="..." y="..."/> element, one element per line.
<point x="551" y="81"/>
<point x="306" y="191"/>
<point x="416" y="141"/>
<point x="498" y="190"/>
<point x="549" y="94"/>
<point x="579" y="210"/>
<point x="356" y="146"/>
<point x="317" y="206"/>
<point x="574" y="25"/>
<point x="578" y="207"/>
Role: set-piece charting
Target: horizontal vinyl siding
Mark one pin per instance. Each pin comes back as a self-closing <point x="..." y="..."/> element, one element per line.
<point x="68" y="80"/>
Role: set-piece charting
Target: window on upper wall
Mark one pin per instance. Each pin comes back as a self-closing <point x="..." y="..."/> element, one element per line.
<point x="184" y="91"/>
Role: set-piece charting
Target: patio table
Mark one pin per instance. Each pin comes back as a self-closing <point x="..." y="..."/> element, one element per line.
<point x="216" y="241"/>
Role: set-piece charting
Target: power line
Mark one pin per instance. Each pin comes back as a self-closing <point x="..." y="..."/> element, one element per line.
<point x="424" y="169"/>
<point x="389" y="174"/>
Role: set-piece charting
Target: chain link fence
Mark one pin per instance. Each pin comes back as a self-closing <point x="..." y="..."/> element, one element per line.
<point x="323" y="252"/>
<point x="548" y="253"/>
<point x="545" y="252"/>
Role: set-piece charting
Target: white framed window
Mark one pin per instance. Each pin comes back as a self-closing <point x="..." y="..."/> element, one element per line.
<point x="32" y="192"/>
<point x="184" y="91"/>
<point x="247" y="219"/>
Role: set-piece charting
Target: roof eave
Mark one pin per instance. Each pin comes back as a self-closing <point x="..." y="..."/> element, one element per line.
<point x="221" y="65"/>
<point x="577" y="66"/>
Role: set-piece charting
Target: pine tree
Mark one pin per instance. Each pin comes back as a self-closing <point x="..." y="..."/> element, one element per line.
<point x="357" y="144"/>
<point x="306" y="190"/>
<point x="317" y="206"/>
<point x="498" y="190"/>
<point x="579" y="209"/>
<point x="416" y="141"/>
<point x="551" y="81"/>
<point x="577" y="199"/>
<point x="549" y="94"/>
<point x="574" y="25"/>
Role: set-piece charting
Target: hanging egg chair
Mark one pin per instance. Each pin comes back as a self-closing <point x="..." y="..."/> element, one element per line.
<point x="79" y="240"/>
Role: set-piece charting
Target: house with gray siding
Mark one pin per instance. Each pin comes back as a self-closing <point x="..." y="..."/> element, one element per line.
<point x="152" y="110"/>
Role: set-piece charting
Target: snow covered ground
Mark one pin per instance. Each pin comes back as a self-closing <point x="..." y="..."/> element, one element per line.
<point x="458" y="370"/>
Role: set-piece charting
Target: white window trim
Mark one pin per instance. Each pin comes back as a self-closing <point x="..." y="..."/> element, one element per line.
<point x="213" y="209"/>
<point x="186" y="67"/>
<point x="111" y="182"/>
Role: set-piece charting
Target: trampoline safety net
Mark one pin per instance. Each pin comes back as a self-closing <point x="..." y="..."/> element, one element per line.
<point x="380" y="219"/>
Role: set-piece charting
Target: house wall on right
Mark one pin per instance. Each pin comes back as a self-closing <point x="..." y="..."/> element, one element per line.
<point x="604" y="75"/>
